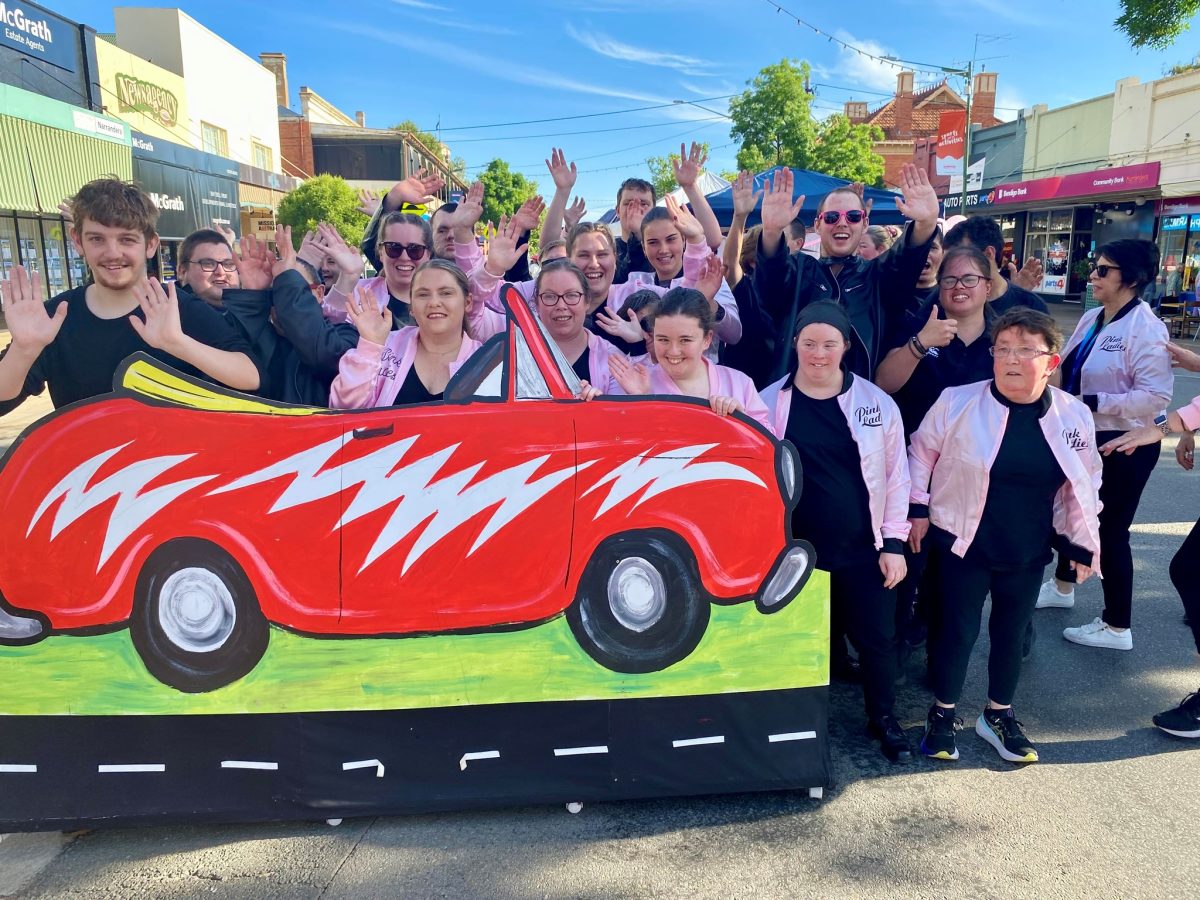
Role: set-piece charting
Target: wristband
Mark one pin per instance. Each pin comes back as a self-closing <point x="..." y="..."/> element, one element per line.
<point x="920" y="349"/>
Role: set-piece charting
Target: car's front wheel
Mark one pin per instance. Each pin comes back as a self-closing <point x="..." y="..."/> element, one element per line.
<point x="196" y="622"/>
<point x="640" y="606"/>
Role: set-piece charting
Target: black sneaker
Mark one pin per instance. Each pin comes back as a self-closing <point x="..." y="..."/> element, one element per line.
<point x="891" y="738"/>
<point x="1184" y="720"/>
<point x="940" y="725"/>
<point x="1000" y="728"/>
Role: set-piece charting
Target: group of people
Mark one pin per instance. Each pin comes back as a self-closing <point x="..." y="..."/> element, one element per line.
<point x="928" y="394"/>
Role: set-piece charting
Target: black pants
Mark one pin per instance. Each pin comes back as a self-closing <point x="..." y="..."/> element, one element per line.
<point x="1185" y="575"/>
<point x="1125" y="478"/>
<point x="868" y="610"/>
<point x="964" y="587"/>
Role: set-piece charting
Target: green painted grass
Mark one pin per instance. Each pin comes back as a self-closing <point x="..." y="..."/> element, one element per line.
<point x="742" y="650"/>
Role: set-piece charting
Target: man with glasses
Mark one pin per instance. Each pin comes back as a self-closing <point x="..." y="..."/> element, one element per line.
<point x="206" y="266"/>
<point x="869" y="289"/>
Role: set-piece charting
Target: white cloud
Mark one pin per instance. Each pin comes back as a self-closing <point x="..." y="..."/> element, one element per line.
<point x="1008" y="104"/>
<point x="861" y="70"/>
<point x="720" y="89"/>
<point x="421" y="4"/>
<point x="464" y="25"/>
<point x="604" y="45"/>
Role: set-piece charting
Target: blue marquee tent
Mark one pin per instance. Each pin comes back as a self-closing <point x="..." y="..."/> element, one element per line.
<point x="814" y="186"/>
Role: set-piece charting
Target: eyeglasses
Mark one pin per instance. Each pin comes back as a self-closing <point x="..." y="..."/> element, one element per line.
<point x="1103" y="270"/>
<point x="394" y="250"/>
<point x="950" y="282"/>
<point x="833" y="216"/>
<point x="1025" y="354"/>
<point x="549" y="298"/>
<point x="210" y="265"/>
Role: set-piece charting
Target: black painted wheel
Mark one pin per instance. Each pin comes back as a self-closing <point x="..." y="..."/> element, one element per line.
<point x="640" y="606"/>
<point x="196" y="623"/>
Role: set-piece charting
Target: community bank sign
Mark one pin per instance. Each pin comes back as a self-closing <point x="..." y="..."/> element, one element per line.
<point x="40" y="34"/>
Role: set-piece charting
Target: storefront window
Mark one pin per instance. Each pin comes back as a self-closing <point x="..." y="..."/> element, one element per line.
<point x="75" y="265"/>
<point x="29" y="236"/>
<point x="1049" y="239"/>
<point x="8" y="245"/>
<point x="57" y="279"/>
<point x="1172" y="246"/>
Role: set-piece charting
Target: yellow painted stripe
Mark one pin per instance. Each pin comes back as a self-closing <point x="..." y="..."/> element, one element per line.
<point x="151" y="381"/>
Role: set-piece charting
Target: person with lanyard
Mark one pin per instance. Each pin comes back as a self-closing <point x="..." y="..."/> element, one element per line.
<point x="1030" y="450"/>
<point x="414" y="363"/>
<point x="869" y="289"/>
<point x="1117" y="363"/>
<point x="1183" y="720"/>
<point x="853" y="505"/>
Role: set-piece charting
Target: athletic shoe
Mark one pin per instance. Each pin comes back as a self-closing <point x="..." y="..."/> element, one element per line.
<point x="1000" y="728"/>
<point x="1049" y="597"/>
<point x="890" y="735"/>
<point x="1184" y="720"/>
<point x="940" y="725"/>
<point x="1097" y="634"/>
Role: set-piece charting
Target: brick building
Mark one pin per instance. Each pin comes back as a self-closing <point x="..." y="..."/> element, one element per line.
<point x="910" y="119"/>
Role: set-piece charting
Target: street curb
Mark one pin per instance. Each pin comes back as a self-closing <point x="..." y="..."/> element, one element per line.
<point x="23" y="857"/>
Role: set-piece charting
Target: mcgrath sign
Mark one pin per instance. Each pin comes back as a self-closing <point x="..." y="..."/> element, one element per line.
<point x="36" y="32"/>
<point x="191" y="189"/>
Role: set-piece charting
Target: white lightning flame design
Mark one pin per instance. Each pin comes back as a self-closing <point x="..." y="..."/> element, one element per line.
<point x="663" y="472"/>
<point x="448" y="501"/>
<point x="134" y="505"/>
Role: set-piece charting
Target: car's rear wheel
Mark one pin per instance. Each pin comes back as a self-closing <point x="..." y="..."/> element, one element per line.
<point x="196" y="622"/>
<point x="640" y="607"/>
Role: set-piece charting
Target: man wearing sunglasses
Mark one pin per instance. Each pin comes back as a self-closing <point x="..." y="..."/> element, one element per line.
<point x="206" y="266"/>
<point x="869" y="289"/>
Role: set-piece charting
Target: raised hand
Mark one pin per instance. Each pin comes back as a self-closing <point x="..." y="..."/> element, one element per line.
<point x="561" y="171"/>
<point x="920" y="202"/>
<point x="228" y="233"/>
<point x="470" y="209"/>
<point x="373" y="324"/>
<point x="937" y="332"/>
<point x="503" y="251"/>
<point x="712" y="274"/>
<point x="724" y="406"/>
<point x="689" y="226"/>
<point x="573" y="214"/>
<point x="529" y="216"/>
<point x="630" y="215"/>
<point x="633" y="379"/>
<point x="690" y="165"/>
<point x="161" y="329"/>
<point x="309" y="252"/>
<point x="860" y="189"/>
<point x="368" y="202"/>
<point x="329" y="242"/>
<point x="628" y="329"/>
<point x="417" y="188"/>
<point x="31" y="327"/>
<point x="287" y="251"/>
<point x="255" y="264"/>
<point x="1030" y="276"/>
<point x="64" y="210"/>
<point x="745" y="198"/>
<point x="778" y="210"/>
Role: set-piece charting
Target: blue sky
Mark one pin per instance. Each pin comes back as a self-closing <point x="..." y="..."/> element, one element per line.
<point x="487" y="63"/>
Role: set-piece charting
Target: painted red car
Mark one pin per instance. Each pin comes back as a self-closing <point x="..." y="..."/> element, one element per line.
<point x="198" y="518"/>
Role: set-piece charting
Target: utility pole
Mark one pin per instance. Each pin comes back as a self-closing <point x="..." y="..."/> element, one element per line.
<point x="969" y="74"/>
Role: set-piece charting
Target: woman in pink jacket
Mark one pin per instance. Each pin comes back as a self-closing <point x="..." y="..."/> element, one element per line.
<point x="560" y="292"/>
<point x="683" y="326"/>
<point x="853" y="505"/>
<point x="1001" y="471"/>
<point x="413" y="364"/>
<point x="1116" y="362"/>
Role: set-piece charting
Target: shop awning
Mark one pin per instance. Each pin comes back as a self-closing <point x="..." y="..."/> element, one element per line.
<point x="253" y="196"/>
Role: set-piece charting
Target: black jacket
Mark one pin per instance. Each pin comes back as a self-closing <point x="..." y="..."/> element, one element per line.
<point x="871" y="290"/>
<point x="630" y="258"/>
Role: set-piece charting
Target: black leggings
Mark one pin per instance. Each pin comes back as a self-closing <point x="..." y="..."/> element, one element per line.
<point x="964" y="587"/>
<point x="868" y="610"/>
<point x="1185" y="575"/>
<point x="1125" y="478"/>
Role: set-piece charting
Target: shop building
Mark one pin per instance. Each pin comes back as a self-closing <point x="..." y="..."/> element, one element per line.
<point x="45" y="54"/>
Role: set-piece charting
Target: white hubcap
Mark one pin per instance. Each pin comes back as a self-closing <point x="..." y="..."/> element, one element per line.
<point x="196" y="610"/>
<point x="636" y="594"/>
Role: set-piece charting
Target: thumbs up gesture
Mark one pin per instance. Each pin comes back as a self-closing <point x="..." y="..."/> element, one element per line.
<point x="937" y="332"/>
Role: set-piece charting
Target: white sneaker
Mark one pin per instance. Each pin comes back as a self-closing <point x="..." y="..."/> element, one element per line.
<point x="1097" y="634"/>
<point x="1049" y="596"/>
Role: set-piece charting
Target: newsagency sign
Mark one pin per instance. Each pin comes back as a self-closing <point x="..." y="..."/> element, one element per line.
<point x="135" y="95"/>
<point x="34" y="32"/>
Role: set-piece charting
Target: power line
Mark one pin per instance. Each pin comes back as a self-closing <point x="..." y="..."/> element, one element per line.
<point x="529" y="137"/>
<point x="615" y="112"/>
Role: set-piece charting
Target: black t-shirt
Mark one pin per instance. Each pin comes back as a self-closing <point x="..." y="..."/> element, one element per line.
<point x="401" y="313"/>
<point x="833" y="513"/>
<point x="950" y="366"/>
<point x="1017" y="526"/>
<point x="414" y="391"/>
<point x="1018" y="296"/>
<point x="582" y="366"/>
<point x="83" y="358"/>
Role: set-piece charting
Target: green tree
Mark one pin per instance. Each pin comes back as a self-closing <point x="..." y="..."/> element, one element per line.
<point x="772" y="118"/>
<point x="503" y="190"/>
<point x="1180" y="68"/>
<point x="847" y="151"/>
<point x="1156" y="23"/>
<point x="427" y="138"/>
<point x="662" y="171"/>
<point x="325" y="198"/>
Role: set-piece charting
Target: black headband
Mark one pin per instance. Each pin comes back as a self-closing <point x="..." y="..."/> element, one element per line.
<point x="824" y="313"/>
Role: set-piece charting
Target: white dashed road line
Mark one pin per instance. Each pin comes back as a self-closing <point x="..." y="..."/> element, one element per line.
<point x="364" y="764"/>
<point x="479" y="754"/>
<point x="249" y="764"/>
<point x="792" y="736"/>
<point x="17" y="768"/>
<point x="696" y="742"/>
<point x="131" y="767"/>
<point x="579" y="751"/>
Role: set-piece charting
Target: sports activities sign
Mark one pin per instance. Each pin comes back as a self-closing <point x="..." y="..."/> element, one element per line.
<point x="36" y="32"/>
<point x="952" y="126"/>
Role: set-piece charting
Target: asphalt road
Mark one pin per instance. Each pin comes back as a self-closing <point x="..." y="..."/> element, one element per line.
<point x="1109" y="812"/>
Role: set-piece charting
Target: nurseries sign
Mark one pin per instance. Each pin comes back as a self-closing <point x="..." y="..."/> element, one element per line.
<point x="36" y="32"/>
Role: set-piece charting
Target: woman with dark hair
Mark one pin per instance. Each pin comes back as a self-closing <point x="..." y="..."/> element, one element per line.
<point x="853" y="505"/>
<point x="1117" y="363"/>
<point x="1030" y="450"/>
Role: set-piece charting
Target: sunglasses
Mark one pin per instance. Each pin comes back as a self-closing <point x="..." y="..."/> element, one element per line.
<point x="1103" y="270"/>
<point x="395" y="250"/>
<point x="833" y="216"/>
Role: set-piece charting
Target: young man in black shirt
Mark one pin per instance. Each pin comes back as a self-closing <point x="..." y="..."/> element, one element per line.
<point x="74" y="343"/>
